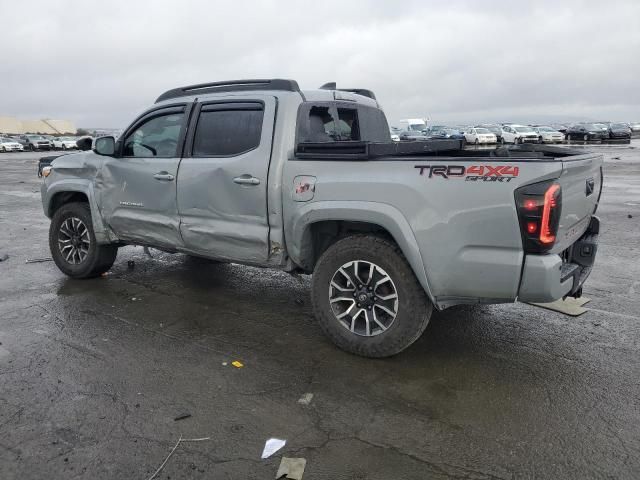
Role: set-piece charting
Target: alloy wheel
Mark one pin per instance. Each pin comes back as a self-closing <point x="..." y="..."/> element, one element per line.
<point x="363" y="298"/>
<point x="74" y="241"/>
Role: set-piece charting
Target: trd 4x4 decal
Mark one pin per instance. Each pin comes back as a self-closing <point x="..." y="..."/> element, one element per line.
<point x="474" y="173"/>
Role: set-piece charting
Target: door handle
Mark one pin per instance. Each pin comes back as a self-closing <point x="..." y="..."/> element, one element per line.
<point x="164" y="176"/>
<point x="246" y="179"/>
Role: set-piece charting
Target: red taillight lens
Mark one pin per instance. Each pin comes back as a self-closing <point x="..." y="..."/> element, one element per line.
<point x="550" y="203"/>
<point x="539" y="207"/>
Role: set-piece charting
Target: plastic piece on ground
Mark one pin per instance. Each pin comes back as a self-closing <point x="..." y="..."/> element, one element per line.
<point x="292" y="468"/>
<point x="569" y="306"/>
<point x="237" y="364"/>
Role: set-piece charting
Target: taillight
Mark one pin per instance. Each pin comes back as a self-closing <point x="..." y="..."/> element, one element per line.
<point x="539" y="206"/>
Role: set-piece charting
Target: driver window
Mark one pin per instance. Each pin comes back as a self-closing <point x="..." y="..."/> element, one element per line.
<point x="157" y="137"/>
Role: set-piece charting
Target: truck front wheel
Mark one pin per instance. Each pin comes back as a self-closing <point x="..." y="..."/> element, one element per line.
<point x="73" y="245"/>
<point x="366" y="297"/>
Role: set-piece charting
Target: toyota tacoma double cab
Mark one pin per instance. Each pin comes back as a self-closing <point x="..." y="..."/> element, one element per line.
<point x="259" y="172"/>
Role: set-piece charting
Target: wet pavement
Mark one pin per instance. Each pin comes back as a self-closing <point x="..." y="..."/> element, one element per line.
<point x="93" y="373"/>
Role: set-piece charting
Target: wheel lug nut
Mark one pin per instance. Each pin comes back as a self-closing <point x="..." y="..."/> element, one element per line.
<point x="359" y="286"/>
<point x="359" y="305"/>
<point x="369" y="307"/>
<point x="374" y="299"/>
<point x="354" y="294"/>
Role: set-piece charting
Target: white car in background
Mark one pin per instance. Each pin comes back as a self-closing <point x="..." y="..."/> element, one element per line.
<point x="548" y="135"/>
<point x="65" y="143"/>
<point x="478" y="135"/>
<point x="518" y="134"/>
<point x="10" y="145"/>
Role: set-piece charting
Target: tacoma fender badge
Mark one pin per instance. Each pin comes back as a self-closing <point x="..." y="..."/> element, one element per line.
<point x="132" y="204"/>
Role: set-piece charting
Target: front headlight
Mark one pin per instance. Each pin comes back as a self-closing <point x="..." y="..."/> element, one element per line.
<point x="46" y="171"/>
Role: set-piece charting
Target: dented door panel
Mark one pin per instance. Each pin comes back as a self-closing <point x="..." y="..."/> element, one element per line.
<point x="222" y="199"/>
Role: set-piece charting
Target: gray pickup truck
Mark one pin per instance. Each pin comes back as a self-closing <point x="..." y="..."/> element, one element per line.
<point x="261" y="173"/>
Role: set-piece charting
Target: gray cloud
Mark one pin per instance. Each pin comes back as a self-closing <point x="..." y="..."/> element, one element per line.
<point x="98" y="63"/>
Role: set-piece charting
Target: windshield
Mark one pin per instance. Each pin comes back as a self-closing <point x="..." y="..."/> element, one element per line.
<point x="417" y="127"/>
<point x="546" y="129"/>
<point x="35" y="137"/>
<point x="482" y="130"/>
<point x="523" y="129"/>
<point x="619" y="125"/>
<point x="601" y="126"/>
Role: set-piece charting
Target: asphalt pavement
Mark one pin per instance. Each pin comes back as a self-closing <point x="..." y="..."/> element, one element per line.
<point x="94" y="374"/>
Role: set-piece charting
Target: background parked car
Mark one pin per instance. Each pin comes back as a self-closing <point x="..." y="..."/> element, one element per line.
<point x="635" y="129"/>
<point x="548" y="135"/>
<point x="35" y="142"/>
<point x="449" y="133"/>
<point x="478" y="135"/>
<point x="586" y="132"/>
<point x="10" y="145"/>
<point x="519" y="134"/>
<point x="619" y="131"/>
<point x="493" y="128"/>
<point x="64" y="143"/>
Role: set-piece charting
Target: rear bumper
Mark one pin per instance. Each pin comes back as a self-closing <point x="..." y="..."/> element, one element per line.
<point x="546" y="278"/>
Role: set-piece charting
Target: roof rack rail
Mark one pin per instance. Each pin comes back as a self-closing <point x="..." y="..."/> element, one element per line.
<point x="231" y="86"/>
<point x="358" y="91"/>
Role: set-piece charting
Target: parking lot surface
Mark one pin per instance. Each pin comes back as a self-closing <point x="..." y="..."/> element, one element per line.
<point x="94" y="373"/>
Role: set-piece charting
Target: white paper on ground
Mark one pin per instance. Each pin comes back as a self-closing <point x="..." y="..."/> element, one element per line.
<point x="271" y="446"/>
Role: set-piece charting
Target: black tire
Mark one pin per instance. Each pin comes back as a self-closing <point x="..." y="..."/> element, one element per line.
<point x="64" y="147"/>
<point x="99" y="258"/>
<point x="540" y="140"/>
<point x="413" y="306"/>
<point x="515" y="140"/>
<point x="476" y="142"/>
<point x="4" y="149"/>
<point x="585" y="137"/>
<point x="33" y="149"/>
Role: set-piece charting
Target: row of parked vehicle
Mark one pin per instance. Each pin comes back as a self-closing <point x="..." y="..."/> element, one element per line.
<point x="416" y="129"/>
<point x="19" y="143"/>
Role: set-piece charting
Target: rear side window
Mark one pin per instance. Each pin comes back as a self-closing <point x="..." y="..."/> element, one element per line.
<point x="227" y="131"/>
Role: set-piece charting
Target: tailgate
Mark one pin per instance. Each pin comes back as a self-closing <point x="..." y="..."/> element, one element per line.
<point x="581" y="182"/>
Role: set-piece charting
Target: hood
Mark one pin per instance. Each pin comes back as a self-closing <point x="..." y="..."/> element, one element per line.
<point x="80" y="164"/>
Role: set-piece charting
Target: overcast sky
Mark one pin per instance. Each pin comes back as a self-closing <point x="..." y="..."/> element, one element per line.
<point x="99" y="63"/>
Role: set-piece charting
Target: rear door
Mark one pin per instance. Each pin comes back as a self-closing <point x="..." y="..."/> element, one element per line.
<point x="222" y="181"/>
<point x="138" y="188"/>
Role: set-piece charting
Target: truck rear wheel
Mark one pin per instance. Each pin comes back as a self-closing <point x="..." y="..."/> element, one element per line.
<point x="366" y="297"/>
<point x="73" y="245"/>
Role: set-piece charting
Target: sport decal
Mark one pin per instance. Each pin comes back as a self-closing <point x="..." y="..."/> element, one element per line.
<point x="474" y="173"/>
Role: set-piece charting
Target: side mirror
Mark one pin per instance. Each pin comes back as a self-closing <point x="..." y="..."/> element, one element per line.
<point x="105" y="146"/>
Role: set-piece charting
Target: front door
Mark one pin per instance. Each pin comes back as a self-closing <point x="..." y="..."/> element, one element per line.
<point x="222" y="185"/>
<point x="138" y="188"/>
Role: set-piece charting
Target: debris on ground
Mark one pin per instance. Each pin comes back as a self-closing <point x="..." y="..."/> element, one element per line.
<point x="292" y="468"/>
<point x="147" y="251"/>
<point x="569" y="306"/>
<point x="131" y="264"/>
<point x="237" y="364"/>
<point x="305" y="399"/>
<point x="38" y="260"/>
<point x="299" y="301"/>
<point x="271" y="446"/>
<point x="182" y="417"/>
<point x="3" y="257"/>
<point x="180" y="440"/>
<point x="629" y="216"/>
